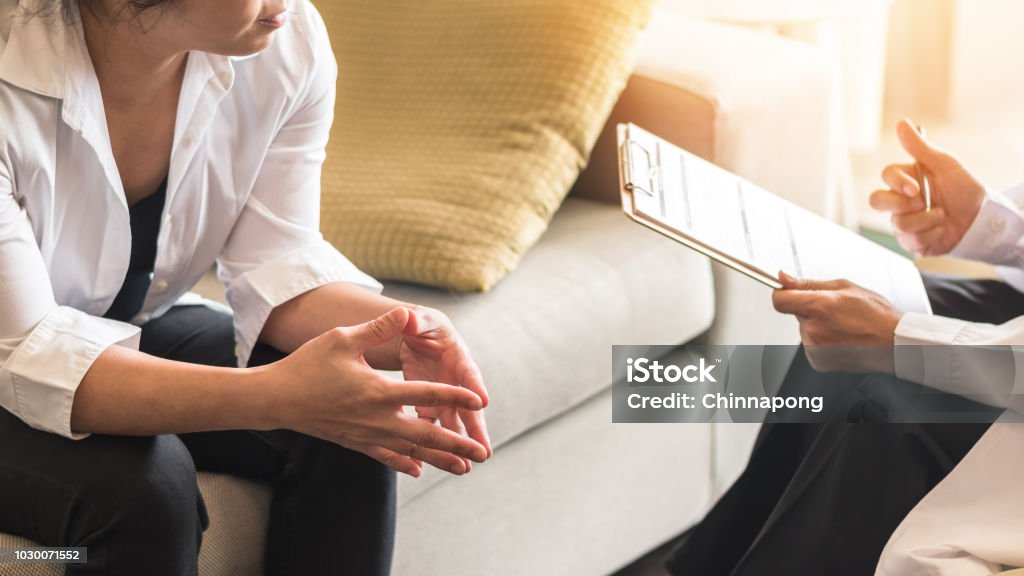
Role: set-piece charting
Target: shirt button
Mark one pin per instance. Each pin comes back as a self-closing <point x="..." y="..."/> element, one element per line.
<point x="160" y="286"/>
<point x="997" y="224"/>
<point x="142" y="318"/>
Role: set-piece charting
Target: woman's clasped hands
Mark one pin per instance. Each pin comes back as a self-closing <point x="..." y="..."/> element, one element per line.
<point x="328" y="390"/>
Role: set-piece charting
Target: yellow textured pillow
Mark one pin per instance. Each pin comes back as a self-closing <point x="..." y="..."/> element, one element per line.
<point x="462" y="124"/>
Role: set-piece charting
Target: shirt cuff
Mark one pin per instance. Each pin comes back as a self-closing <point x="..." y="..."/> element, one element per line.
<point x="44" y="371"/>
<point x="922" y="351"/>
<point x="254" y="294"/>
<point x="995" y="233"/>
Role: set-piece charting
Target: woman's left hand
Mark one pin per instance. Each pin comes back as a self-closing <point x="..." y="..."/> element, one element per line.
<point x="431" y="350"/>
<point x="844" y="327"/>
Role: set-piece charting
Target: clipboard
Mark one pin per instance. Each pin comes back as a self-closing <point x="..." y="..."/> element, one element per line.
<point x="640" y="173"/>
<point x="747" y="228"/>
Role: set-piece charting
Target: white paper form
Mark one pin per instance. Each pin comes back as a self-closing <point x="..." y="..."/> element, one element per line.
<point x="745" y="223"/>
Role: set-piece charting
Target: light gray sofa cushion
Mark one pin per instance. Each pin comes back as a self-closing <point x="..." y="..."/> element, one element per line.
<point x="574" y="496"/>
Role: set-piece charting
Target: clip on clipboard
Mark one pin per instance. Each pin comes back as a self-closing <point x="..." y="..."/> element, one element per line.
<point x="641" y="172"/>
<point x="747" y="228"/>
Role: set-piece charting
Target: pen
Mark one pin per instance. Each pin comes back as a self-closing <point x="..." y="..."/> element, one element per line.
<point x="922" y="178"/>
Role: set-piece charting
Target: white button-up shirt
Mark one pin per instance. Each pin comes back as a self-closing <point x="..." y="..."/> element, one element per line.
<point x="972" y="521"/>
<point x="243" y="192"/>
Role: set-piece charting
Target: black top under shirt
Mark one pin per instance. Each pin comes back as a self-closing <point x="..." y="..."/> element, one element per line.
<point x="145" y="222"/>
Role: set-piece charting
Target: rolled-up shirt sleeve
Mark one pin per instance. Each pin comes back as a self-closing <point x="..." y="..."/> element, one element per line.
<point x="984" y="362"/>
<point x="275" y="251"/>
<point x="45" y="349"/>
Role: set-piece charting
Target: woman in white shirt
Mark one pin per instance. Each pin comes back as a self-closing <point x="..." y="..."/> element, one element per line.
<point x="938" y="498"/>
<point x="142" y="141"/>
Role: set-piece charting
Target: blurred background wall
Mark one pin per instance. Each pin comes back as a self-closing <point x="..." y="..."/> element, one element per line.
<point x="955" y="66"/>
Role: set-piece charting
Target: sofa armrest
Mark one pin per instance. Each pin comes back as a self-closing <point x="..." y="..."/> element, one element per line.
<point x="754" y="103"/>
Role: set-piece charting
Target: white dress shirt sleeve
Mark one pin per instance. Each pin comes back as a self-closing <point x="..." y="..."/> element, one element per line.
<point x="275" y="251"/>
<point x="45" y="349"/>
<point x="928" y="347"/>
<point x="997" y="234"/>
<point x="982" y="361"/>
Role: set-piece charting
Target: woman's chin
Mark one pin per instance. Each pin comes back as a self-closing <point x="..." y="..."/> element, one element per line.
<point x="252" y="44"/>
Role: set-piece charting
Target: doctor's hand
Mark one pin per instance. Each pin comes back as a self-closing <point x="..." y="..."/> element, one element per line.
<point x="431" y="349"/>
<point x="844" y="327"/>
<point x="956" y="197"/>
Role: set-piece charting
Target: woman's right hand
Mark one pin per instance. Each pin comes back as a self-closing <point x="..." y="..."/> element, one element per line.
<point x="956" y="197"/>
<point x="330" y="392"/>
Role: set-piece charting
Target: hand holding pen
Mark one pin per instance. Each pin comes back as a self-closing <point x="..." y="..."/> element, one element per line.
<point x="933" y="201"/>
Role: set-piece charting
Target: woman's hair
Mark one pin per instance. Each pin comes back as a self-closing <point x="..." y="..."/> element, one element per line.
<point x="50" y="7"/>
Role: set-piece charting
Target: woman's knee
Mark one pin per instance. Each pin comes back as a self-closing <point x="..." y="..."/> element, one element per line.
<point x="151" y="488"/>
<point x="132" y="502"/>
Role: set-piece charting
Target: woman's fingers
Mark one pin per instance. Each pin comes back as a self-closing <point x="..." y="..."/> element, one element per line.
<point x="430" y="394"/>
<point x="896" y="202"/>
<point x="375" y="332"/>
<point x="469" y="377"/>
<point x="451" y="420"/>
<point x="394" y="460"/>
<point x="439" y="459"/>
<point x="475" y="426"/>
<point x="429" y="414"/>
<point x="442" y="447"/>
<point x="429" y="436"/>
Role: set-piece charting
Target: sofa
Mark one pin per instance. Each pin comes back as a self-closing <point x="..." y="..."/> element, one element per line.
<point x="567" y="491"/>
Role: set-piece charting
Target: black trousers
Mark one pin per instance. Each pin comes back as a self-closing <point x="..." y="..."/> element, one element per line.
<point x="134" y="503"/>
<point x="824" y="498"/>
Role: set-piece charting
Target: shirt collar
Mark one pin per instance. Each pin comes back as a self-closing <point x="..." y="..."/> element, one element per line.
<point x="36" y="57"/>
